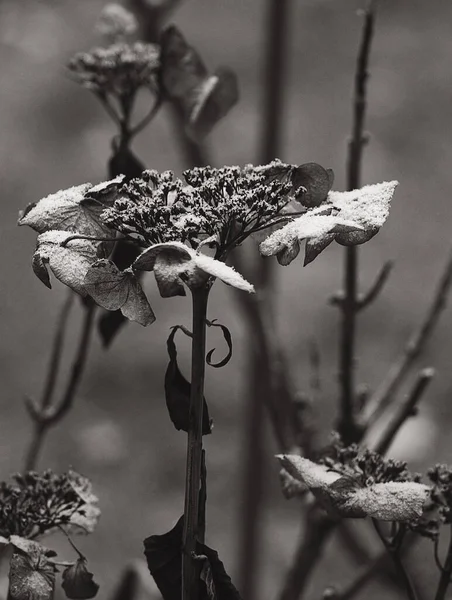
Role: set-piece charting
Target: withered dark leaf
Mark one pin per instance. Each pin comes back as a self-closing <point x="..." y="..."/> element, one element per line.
<point x="177" y="392"/>
<point x="31" y="575"/>
<point x="78" y="582"/>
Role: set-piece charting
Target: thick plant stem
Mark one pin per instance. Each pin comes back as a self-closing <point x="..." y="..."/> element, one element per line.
<point x="446" y="573"/>
<point x="194" y="448"/>
<point x="347" y="426"/>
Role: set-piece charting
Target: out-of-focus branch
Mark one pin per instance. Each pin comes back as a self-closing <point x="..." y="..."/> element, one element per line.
<point x="376" y="288"/>
<point x="48" y="414"/>
<point x="384" y="394"/>
<point x="404" y="411"/>
<point x="346" y="425"/>
<point x="365" y="575"/>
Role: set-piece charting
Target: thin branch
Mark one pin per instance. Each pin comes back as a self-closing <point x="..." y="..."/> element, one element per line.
<point x="52" y="414"/>
<point x="316" y="532"/>
<point x="384" y="394"/>
<point x="147" y="119"/>
<point x="404" y="411"/>
<point x="376" y="288"/>
<point x="346" y="425"/>
<point x="366" y="574"/>
<point x="393" y="551"/>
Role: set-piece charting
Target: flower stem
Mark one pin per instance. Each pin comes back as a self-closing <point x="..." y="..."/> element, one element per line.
<point x="446" y="573"/>
<point x="194" y="448"/>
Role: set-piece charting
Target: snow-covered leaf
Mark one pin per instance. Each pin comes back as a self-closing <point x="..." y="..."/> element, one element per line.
<point x="118" y="290"/>
<point x="75" y="209"/>
<point x="346" y="496"/>
<point x="69" y="263"/>
<point x="308" y="226"/>
<point x="174" y="263"/>
<point x="368" y="206"/>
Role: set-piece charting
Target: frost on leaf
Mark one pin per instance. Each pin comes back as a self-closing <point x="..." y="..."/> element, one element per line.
<point x="285" y="242"/>
<point x="348" y="217"/>
<point x="347" y="496"/>
<point x="69" y="263"/>
<point x="118" y="290"/>
<point x="368" y="206"/>
<point x="78" y="582"/>
<point x="204" y="98"/>
<point x="76" y="209"/>
<point x="31" y="575"/>
<point x="174" y="263"/>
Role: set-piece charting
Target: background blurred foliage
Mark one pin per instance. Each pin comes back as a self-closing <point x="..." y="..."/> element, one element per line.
<point x="55" y="135"/>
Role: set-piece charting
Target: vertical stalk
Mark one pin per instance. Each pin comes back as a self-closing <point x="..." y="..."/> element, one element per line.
<point x="274" y="75"/>
<point x="194" y="448"/>
<point x="347" y="426"/>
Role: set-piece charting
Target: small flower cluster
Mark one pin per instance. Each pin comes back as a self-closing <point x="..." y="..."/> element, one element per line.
<point x="118" y="70"/>
<point x="370" y="467"/>
<point x="116" y="22"/>
<point x="35" y="503"/>
<point x="441" y="477"/>
<point x="226" y="204"/>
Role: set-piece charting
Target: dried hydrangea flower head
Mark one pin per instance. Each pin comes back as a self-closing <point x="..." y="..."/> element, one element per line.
<point x="119" y="70"/>
<point x="34" y="504"/>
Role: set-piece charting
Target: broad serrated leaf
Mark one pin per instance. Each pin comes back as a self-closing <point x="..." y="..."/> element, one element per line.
<point x="68" y="210"/>
<point x="174" y="263"/>
<point x="118" y="290"/>
<point x="31" y="575"/>
<point x="78" y="582"/>
<point x="177" y="392"/>
<point x="204" y="98"/>
<point x="69" y="263"/>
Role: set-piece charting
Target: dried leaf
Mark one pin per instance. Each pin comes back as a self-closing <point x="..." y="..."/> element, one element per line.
<point x="185" y="80"/>
<point x="31" y="575"/>
<point x="178" y="390"/>
<point x="87" y="517"/>
<point x="228" y="339"/>
<point x="118" y="290"/>
<point x="316" y="180"/>
<point x="163" y="554"/>
<point x="315" y="246"/>
<point x="174" y="263"/>
<point x="68" y="210"/>
<point x="78" y="582"/>
<point x="68" y="263"/>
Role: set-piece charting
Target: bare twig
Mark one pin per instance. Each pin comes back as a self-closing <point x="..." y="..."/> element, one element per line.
<point x="385" y="392"/>
<point x="316" y="531"/>
<point x="403" y="411"/>
<point x="446" y="573"/>
<point x="374" y="291"/>
<point x="365" y="575"/>
<point x="46" y="416"/>
<point x="346" y="425"/>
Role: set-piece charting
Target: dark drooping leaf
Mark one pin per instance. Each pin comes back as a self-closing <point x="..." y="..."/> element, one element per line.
<point x="78" y="582"/>
<point x="228" y="339"/>
<point x="204" y="98"/>
<point x="177" y="392"/>
<point x="164" y="558"/>
<point x="317" y="182"/>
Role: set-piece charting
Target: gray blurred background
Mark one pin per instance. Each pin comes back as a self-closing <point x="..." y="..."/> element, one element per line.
<point x="54" y="135"/>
